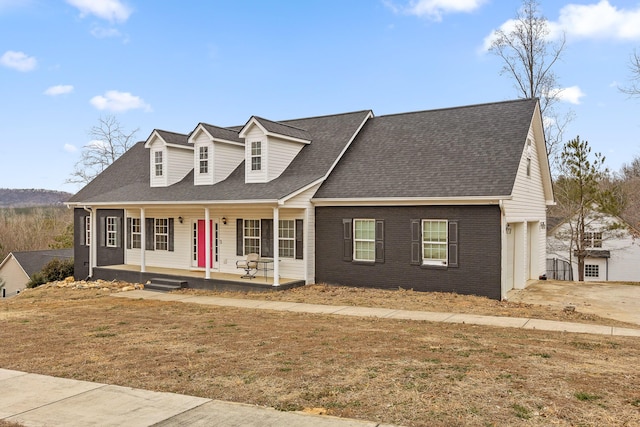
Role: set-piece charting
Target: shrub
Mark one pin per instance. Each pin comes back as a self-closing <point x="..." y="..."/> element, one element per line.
<point x="55" y="269"/>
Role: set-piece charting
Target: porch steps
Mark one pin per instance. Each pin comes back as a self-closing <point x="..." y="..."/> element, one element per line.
<point x="165" y="285"/>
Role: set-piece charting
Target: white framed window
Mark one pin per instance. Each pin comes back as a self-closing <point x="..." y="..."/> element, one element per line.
<point x="136" y="233"/>
<point x="112" y="231"/>
<point x="286" y="238"/>
<point x="161" y="235"/>
<point x="87" y="230"/>
<point x="591" y="270"/>
<point x="256" y="155"/>
<point x="434" y="242"/>
<point x="364" y="240"/>
<point x="251" y="236"/>
<point x="593" y="239"/>
<point x="157" y="161"/>
<point x="203" y="156"/>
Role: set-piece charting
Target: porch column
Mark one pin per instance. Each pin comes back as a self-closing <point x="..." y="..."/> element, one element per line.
<point x="207" y="244"/>
<point x="143" y="241"/>
<point x="305" y="250"/>
<point x="276" y="252"/>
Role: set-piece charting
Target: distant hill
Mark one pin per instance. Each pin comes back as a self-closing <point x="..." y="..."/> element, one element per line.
<point x="20" y="198"/>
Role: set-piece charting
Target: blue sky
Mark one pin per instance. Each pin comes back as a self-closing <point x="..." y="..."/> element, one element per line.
<point x="172" y="64"/>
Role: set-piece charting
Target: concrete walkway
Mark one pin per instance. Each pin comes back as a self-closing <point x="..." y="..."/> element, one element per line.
<point x="40" y="400"/>
<point x="387" y="313"/>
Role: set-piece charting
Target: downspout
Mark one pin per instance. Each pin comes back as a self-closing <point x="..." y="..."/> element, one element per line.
<point x="92" y="232"/>
<point x="503" y="252"/>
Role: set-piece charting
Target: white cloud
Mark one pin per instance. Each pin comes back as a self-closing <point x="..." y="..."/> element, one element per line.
<point x="570" y="94"/>
<point x="116" y="101"/>
<point x="434" y="9"/>
<point x="58" y="90"/>
<point x="103" y="33"/>
<point x="110" y="10"/>
<point x="70" y="148"/>
<point x="600" y="20"/>
<point x="18" y="61"/>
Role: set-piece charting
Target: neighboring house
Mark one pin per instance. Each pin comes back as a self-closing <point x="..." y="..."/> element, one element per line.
<point x="613" y="249"/>
<point x="443" y="200"/>
<point x="18" y="267"/>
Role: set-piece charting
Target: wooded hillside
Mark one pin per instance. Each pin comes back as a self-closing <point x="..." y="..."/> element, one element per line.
<point x="15" y="198"/>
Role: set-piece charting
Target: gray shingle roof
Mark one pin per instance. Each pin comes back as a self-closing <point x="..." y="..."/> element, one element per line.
<point x="222" y="133"/>
<point x="127" y="179"/>
<point x="282" y="128"/>
<point x="33" y="261"/>
<point x="173" y="137"/>
<point x="457" y="152"/>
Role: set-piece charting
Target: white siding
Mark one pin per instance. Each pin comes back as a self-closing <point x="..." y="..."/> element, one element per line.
<point x="226" y="158"/>
<point x="281" y="153"/>
<point x="202" y="140"/>
<point x="179" y="163"/>
<point x="181" y="257"/>
<point x="14" y="277"/>
<point x="260" y="175"/>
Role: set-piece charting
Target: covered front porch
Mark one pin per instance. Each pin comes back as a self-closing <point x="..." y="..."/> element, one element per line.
<point x="195" y="279"/>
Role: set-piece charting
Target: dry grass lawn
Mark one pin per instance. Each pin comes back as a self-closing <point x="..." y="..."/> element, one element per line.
<point x="402" y="372"/>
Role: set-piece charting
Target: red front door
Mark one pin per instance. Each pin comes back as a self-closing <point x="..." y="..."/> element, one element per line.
<point x="201" y="243"/>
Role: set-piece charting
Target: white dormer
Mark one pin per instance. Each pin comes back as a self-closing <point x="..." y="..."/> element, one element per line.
<point x="269" y="148"/>
<point x="216" y="153"/>
<point x="171" y="158"/>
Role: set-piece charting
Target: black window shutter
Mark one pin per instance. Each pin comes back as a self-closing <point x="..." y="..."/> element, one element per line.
<point x="170" y="234"/>
<point x="239" y="237"/>
<point x="128" y="232"/>
<point x="103" y="230"/>
<point x="416" y="242"/>
<point x="299" y="239"/>
<point x="379" y="240"/>
<point x="347" y="246"/>
<point x="83" y="230"/>
<point x="453" y="243"/>
<point x="266" y="238"/>
<point x="150" y="234"/>
<point x="119" y="232"/>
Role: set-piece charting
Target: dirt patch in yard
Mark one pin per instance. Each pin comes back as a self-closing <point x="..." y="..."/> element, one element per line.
<point x="412" y="373"/>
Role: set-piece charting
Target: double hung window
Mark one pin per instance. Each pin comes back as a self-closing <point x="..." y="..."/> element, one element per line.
<point x="136" y="235"/>
<point x="161" y="234"/>
<point x="364" y="240"/>
<point x="286" y="238"/>
<point x="251" y="236"/>
<point x="593" y="239"/>
<point x="112" y="231"/>
<point x="434" y="242"/>
<point x="157" y="161"/>
<point x="203" y="155"/>
<point x="256" y="155"/>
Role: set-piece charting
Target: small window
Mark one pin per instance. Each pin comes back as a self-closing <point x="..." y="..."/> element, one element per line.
<point x="286" y="238"/>
<point x="161" y="234"/>
<point x="157" y="161"/>
<point x="434" y="242"/>
<point x="593" y="239"/>
<point x="591" y="270"/>
<point x="364" y="240"/>
<point x="204" y="159"/>
<point x="251" y="236"/>
<point x="136" y="235"/>
<point x="256" y="155"/>
<point x="112" y="231"/>
<point x="87" y="230"/>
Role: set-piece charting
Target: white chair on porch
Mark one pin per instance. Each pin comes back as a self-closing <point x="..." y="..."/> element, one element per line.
<point x="249" y="265"/>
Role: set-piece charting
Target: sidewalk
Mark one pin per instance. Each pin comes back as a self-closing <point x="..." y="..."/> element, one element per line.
<point x="387" y="313"/>
<point x="40" y="400"/>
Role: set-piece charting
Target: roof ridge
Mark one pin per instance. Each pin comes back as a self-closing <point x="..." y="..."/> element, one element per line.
<point x="328" y="115"/>
<point x="175" y="133"/>
<point x="459" y="107"/>
<point x="280" y="123"/>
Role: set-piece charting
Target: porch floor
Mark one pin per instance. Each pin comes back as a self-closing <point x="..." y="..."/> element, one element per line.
<point x="195" y="278"/>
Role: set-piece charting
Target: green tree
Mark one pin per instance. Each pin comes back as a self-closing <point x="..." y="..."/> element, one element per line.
<point x="584" y="192"/>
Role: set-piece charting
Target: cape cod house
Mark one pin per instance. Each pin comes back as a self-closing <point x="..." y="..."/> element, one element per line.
<point x="443" y="200"/>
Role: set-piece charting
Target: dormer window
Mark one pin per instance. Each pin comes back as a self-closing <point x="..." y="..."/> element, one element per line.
<point x="203" y="153"/>
<point x="157" y="161"/>
<point x="256" y="155"/>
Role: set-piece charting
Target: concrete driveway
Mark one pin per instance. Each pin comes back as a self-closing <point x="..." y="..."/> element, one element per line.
<point x="614" y="301"/>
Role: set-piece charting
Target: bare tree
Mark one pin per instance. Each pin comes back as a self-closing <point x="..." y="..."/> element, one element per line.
<point x="528" y="56"/>
<point x="634" y="86"/>
<point x="109" y="140"/>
